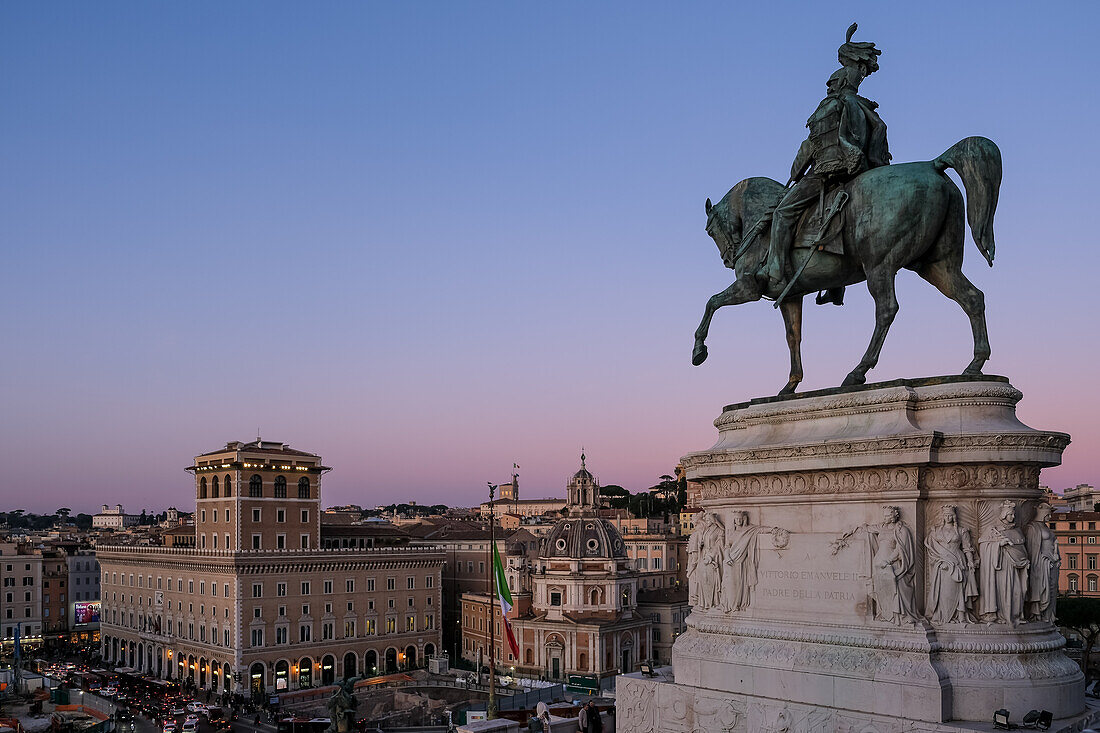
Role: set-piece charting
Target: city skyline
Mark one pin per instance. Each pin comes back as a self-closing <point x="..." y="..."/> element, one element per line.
<point x="428" y="243"/>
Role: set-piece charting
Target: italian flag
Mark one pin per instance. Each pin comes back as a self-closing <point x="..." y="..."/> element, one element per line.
<point x="505" y="597"/>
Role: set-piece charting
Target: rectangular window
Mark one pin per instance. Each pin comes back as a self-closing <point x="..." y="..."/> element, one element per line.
<point x="214" y="515"/>
<point x="349" y="585"/>
<point x="305" y="588"/>
<point x="1073" y="540"/>
<point x="304" y="632"/>
<point x="391" y="583"/>
<point x="429" y="622"/>
<point x="1091" y="562"/>
<point x="280" y="589"/>
<point x="327" y="631"/>
<point x="191" y="587"/>
<point x="255" y="542"/>
<point x="369" y="628"/>
<point x="203" y="515"/>
<point x="327" y="586"/>
<point x="555" y="598"/>
<point x="1072" y="561"/>
<point x="304" y="542"/>
<point x="256" y="612"/>
<point x="280" y="515"/>
<point x="410" y="623"/>
<point x="410" y="583"/>
<point x="429" y="581"/>
<point x="370" y="585"/>
<point x="391" y="626"/>
<point x="349" y="629"/>
<point x="280" y="634"/>
<point x="255" y="515"/>
<point x="280" y="541"/>
<point x="227" y="515"/>
<point x="305" y="516"/>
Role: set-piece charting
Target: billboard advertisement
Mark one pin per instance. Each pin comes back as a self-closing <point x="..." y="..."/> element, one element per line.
<point x="86" y="612"/>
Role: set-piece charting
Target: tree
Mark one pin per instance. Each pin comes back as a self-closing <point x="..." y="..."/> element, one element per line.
<point x="1081" y="616"/>
<point x="62" y="514"/>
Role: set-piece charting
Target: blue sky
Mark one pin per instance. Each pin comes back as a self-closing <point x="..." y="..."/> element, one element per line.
<point x="427" y="240"/>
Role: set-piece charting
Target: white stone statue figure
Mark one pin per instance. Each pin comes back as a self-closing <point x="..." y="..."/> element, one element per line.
<point x="710" y="564"/>
<point x="893" y="552"/>
<point x="953" y="586"/>
<point x="1042" y="553"/>
<point x="1005" y="565"/>
<point x="704" y="561"/>
<point x="741" y="560"/>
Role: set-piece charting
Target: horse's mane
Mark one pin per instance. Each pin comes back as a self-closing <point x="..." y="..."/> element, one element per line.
<point x="743" y="205"/>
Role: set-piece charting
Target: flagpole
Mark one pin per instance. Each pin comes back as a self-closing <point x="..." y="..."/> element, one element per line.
<point x="491" y="713"/>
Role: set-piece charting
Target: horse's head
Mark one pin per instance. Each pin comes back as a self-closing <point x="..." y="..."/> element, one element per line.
<point x="724" y="227"/>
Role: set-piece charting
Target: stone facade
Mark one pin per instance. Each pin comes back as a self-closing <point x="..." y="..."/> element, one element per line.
<point x="881" y="552"/>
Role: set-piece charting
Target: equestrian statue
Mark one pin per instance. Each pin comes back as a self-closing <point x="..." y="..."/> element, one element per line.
<point x="846" y="215"/>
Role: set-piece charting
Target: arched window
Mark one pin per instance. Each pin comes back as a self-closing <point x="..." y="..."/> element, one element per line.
<point x="1091" y="583"/>
<point x="228" y="485"/>
<point x="202" y="487"/>
<point x="529" y="656"/>
<point x="214" y="487"/>
<point x="280" y="487"/>
<point x="255" y="486"/>
<point x="303" y="487"/>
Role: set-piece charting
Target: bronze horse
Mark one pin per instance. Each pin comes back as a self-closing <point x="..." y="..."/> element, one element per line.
<point x="898" y="216"/>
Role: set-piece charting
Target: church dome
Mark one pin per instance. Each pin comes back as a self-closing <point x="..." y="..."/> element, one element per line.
<point x="583" y="538"/>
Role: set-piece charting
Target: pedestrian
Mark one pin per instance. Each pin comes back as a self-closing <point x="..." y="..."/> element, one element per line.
<point x="582" y="720"/>
<point x="592" y="718"/>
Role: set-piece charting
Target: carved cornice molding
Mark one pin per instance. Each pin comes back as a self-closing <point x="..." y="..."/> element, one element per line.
<point x="863" y="447"/>
<point x="810" y="483"/>
<point x="980" y="476"/>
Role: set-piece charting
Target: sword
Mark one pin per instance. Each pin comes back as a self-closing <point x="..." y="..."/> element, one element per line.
<point x="834" y="209"/>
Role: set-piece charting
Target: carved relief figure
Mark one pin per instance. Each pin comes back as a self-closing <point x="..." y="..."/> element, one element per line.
<point x="741" y="558"/>
<point x="704" y="561"/>
<point x="1005" y="564"/>
<point x="710" y="563"/>
<point x="695" y="547"/>
<point x="1042" y="553"/>
<point x="953" y="587"/>
<point x="892" y="552"/>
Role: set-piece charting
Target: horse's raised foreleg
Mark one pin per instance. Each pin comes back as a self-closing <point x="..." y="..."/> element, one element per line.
<point x="792" y="320"/>
<point x="881" y="286"/>
<point x="951" y="281"/>
<point x="743" y="290"/>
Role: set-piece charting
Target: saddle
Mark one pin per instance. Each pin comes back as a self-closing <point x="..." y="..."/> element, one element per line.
<point x="831" y="207"/>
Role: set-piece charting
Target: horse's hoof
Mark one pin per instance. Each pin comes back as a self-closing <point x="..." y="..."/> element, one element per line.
<point x="789" y="389"/>
<point x="972" y="371"/>
<point x="853" y="380"/>
<point x="699" y="355"/>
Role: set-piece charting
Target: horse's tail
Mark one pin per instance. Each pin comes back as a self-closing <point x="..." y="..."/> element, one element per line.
<point x="977" y="160"/>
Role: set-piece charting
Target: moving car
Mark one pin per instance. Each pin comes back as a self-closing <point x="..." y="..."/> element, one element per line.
<point x="191" y="726"/>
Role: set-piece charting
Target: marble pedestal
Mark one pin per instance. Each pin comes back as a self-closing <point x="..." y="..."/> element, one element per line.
<point x="821" y="598"/>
